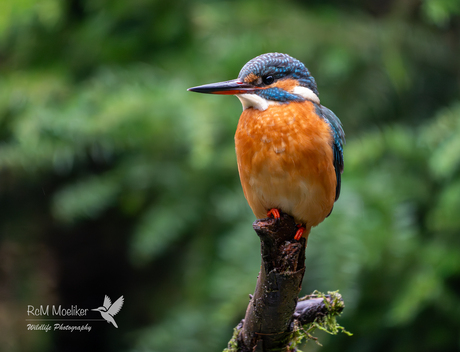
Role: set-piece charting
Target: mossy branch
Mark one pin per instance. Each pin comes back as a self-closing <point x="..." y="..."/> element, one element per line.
<point x="275" y="319"/>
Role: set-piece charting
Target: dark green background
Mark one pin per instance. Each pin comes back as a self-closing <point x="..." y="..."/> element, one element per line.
<point x="115" y="180"/>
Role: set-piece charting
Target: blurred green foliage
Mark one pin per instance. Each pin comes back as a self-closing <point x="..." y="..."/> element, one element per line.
<point x="115" y="180"/>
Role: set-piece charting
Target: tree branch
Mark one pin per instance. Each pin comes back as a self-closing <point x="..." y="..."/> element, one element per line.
<point x="274" y="312"/>
<point x="267" y="324"/>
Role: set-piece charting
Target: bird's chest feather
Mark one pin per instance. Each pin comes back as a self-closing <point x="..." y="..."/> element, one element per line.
<point x="285" y="157"/>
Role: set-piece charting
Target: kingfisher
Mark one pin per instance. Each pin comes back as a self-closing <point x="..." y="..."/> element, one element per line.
<point x="289" y="147"/>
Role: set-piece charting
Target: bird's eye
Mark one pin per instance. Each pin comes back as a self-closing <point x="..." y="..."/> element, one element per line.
<point x="268" y="80"/>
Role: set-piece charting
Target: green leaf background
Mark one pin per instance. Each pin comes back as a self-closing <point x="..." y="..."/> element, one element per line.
<point x="115" y="180"/>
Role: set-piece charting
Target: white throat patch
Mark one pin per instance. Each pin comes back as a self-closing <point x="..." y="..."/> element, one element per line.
<point x="254" y="101"/>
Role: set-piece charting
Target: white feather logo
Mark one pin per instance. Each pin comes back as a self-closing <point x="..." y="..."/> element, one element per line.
<point x="109" y="310"/>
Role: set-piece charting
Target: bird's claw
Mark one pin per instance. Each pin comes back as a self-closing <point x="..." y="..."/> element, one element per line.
<point x="275" y="213"/>
<point x="299" y="233"/>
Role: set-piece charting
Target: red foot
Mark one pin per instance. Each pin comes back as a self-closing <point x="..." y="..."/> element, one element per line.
<point x="275" y="213"/>
<point x="299" y="233"/>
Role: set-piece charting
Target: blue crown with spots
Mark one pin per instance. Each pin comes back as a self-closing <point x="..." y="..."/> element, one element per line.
<point x="279" y="66"/>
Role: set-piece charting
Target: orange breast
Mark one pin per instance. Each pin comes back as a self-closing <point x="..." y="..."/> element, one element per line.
<point x="285" y="161"/>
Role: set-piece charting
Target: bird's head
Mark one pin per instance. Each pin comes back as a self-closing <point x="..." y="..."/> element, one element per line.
<point x="268" y="79"/>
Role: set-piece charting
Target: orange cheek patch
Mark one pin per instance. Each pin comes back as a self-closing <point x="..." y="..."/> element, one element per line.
<point x="286" y="84"/>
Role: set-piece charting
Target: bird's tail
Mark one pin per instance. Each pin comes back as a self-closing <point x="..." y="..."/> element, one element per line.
<point x="111" y="320"/>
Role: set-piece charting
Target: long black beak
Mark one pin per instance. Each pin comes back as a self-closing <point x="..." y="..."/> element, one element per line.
<point x="235" y="86"/>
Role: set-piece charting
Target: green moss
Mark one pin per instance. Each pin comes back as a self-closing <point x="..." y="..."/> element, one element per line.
<point x="328" y="323"/>
<point x="233" y="343"/>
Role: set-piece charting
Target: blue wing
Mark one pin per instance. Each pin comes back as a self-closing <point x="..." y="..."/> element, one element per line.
<point x="339" y="141"/>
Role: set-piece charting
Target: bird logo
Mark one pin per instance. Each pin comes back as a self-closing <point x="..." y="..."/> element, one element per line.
<point x="289" y="147"/>
<point x="109" y="310"/>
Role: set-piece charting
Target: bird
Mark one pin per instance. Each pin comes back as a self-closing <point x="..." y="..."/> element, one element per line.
<point x="289" y="147"/>
<point x="109" y="310"/>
